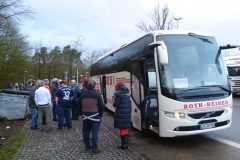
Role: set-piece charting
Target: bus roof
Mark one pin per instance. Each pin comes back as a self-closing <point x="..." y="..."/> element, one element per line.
<point x="156" y="33"/>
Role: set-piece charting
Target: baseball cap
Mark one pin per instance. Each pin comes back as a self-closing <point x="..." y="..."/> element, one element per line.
<point x="84" y="79"/>
<point x="54" y="80"/>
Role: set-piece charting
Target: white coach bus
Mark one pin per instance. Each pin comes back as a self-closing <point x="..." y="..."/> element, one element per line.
<point x="233" y="66"/>
<point x="179" y="82"/>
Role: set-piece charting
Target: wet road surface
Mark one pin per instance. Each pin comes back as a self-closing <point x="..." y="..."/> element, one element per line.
<point x="197" y="147"/>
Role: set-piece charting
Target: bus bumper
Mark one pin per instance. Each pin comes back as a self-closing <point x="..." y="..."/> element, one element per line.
<point x="174" y="127"/>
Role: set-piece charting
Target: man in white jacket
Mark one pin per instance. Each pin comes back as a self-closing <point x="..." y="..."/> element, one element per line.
<point x="43" y="102"/>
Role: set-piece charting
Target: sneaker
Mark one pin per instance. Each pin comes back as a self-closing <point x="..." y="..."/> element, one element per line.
<point x="34" y="128"/>
<point x="88" y="148"/>
<point x="64" y="124"/>
<point x="96" y="151"/>
<point x="59" y="130"/>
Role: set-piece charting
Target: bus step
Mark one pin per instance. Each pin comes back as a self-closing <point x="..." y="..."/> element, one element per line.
<point x="154" y="129"/>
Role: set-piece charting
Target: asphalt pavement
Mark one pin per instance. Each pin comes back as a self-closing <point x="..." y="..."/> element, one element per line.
<point x="197" y="147"/>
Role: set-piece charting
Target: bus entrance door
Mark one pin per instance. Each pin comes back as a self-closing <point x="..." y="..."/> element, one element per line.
<point x="103" y="89"/>
<point x="150" y="114"/>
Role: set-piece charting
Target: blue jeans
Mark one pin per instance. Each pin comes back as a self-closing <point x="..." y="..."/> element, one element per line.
<point x="75" y="109"/>
<point x="64" y="111"/>
<point x="87" y="127"/>
<point x="33" y="117"/>
<point x="54" y="110"/>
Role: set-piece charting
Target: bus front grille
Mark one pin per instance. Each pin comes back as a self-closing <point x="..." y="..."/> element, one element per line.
<point x="204" y="115"/>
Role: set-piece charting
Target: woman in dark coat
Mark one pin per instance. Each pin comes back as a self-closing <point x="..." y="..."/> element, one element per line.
<point x="123" y="111"/>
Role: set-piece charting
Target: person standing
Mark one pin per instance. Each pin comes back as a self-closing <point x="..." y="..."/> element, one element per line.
<point x="91" y="109"/>
<point x="9" y="86"/>
<point x="75" y="101"/>
<point x="63" y="100"/>
<point x="46" y="82"/>
<point x="84" y="87"/>
<point x="33" y="107"/>
<point x="43" y="101"/>
<point x="33" y="83"/>
<point x="53" y="90"/>
<point x="16" y="87"/>
<point x="122" y="119"/>
<point x="22" y="87"/>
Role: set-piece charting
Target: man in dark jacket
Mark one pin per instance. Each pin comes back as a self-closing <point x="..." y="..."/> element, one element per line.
<point x="75" y="101"/>
<point x="53" y="90"/>
<point x="33" y="107"/>
<point x="91" y="109"/>
<point x="9" y="86"/>
<point x="84" y="87"/>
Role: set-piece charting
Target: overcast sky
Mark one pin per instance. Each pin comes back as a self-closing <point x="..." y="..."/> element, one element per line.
<point x="107" y="24"/>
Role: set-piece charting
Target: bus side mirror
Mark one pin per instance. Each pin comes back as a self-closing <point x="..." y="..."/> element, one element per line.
<point x="161" y="51"/>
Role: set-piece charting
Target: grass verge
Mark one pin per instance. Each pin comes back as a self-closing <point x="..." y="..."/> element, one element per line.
<point x="9" y="148"/>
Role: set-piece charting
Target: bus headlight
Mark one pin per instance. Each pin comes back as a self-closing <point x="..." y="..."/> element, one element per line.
<point x="175" y="114"/>
<point x="229" y="109"/>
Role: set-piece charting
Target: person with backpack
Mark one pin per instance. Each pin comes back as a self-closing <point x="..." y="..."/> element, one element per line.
<point x="75" y="101"/>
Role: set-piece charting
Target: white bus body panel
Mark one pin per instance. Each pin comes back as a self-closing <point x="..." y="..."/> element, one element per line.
<point x="167" y="125"/>
<point x="111" y="80"/>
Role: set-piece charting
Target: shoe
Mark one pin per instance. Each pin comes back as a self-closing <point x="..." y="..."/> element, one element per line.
<point x="76" y="118"/>
<point x="88" y="148"/>
<point x="55" y="119"/>
<point x="96" y="151"/>
<point x="64" y="124"/>
<point x="59" y="130"/>
<point x="124" y="142"/>
<point x="73" y="118"/>
<point x="34" y="128"/>
<point x="44" y="123"/>
<point x="36" y="125"/>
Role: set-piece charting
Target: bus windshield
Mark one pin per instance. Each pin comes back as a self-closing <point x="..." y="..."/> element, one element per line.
<point x="193" y="62"/>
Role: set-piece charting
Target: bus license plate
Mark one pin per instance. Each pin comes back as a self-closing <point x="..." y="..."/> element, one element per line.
<point x="207" y="126"/>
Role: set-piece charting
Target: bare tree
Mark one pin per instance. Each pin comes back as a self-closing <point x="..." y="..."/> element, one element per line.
<point x="162" y="20"/>
<point x="78" y="42"/>
<point x="90" y="58"/>
<point x="14" y="10"/>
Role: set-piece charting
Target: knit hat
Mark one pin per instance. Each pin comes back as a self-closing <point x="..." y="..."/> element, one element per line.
<point x="118" y="86"/>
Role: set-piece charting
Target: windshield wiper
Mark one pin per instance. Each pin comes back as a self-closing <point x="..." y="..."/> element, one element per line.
<point x="219" y="86"/>
<point x="199" y="37"/>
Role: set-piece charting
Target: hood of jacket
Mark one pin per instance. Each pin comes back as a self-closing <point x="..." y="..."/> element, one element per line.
<point x="123" y="92"/>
